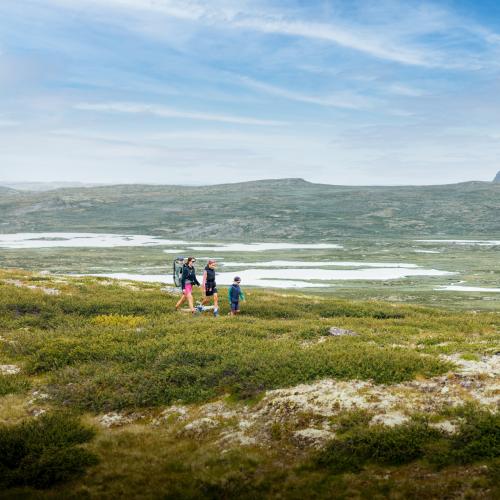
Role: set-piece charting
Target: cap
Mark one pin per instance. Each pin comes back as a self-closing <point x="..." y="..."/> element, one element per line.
<point x="237" y="278"/>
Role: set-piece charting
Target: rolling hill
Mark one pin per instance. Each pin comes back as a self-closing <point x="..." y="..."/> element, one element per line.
<point x="6" y="190"/>
<point x="263" y="210"/>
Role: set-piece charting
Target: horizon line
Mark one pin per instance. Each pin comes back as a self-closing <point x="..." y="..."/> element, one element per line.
<point x="87" y="185"/>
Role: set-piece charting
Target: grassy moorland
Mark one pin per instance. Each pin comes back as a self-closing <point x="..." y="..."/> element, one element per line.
<point x="106" y="392"/>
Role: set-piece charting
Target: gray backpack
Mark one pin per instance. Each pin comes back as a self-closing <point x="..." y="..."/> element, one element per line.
<point x="177" y="270"/>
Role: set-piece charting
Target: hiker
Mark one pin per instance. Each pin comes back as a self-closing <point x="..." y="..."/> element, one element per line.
<point x="187" y="281"/>
<point x="235" y="293"/>
<point x="209" y="286"/>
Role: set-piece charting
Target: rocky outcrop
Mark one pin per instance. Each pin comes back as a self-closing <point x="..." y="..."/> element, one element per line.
<point x="497" y="178"/>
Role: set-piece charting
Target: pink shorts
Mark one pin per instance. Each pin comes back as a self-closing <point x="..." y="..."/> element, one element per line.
<point x="188" y="288"/>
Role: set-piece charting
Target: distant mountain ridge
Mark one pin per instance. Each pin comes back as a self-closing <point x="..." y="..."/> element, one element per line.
<point x="6" y="190"/>
<point x="267" y="210"/>
<point x="45" y="186"/>
<point x="497" y="177"/>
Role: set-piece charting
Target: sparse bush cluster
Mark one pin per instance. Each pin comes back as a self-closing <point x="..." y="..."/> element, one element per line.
<point x="478" y="438"/>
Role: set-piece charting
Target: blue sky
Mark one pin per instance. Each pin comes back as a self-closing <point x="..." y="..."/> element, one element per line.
<point x="171" y="91"/>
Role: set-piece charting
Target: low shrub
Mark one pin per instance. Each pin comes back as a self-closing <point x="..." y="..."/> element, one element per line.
<point x="478" y="438"/>
<point x="379" y="444"/>
<point x="44" y="451"/>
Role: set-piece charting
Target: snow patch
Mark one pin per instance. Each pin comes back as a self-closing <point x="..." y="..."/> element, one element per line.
<point x="461" y="288"/>
<point x="81" y="240"/>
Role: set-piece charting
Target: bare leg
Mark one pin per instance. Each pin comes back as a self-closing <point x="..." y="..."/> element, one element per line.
<point x="181" y="301"/>
<point x="190" y="302"/>
<point x="206" y="300"/>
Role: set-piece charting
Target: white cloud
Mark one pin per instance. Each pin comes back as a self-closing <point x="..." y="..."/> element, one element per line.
<point x="404" y="90"/>
<point x="343" y="99"/>
<point x="392" y="35"/>
<point x="359" y="39"/>
<point x="165" y="112"/>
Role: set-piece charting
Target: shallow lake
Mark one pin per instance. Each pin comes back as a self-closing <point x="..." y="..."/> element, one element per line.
<point x="319" y="265"/>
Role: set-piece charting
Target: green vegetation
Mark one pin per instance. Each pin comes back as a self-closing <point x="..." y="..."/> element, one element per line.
<point x="43" y="452"/>
<point x="98" y="358"/>
<point x="294" y="210"/>
<point x="477" y="438"/>
<point x="102" y="346"/>
<point x="12" y="384"/>
<point x="390" y="446"/>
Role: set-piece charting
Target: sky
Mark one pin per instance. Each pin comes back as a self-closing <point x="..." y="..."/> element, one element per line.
<point x="358" y="92"/>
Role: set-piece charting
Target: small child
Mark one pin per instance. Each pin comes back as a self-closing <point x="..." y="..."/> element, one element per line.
<point x="234" y="294"/>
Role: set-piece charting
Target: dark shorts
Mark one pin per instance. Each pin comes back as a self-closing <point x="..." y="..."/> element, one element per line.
<point x="210" y="291"/>
<point x="235" y="306"/>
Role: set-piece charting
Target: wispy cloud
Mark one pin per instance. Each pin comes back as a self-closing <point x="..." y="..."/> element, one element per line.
<point x="137" y="87"/>
<point x="404" y="90"/>
<point x="165" y="112"/>
<point x="361" y="40"/>
<point x="394" y="35"/>
<point x="341" y="99"/>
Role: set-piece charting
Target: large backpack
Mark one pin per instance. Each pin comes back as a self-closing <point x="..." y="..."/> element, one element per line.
<point x="177" y="270"/>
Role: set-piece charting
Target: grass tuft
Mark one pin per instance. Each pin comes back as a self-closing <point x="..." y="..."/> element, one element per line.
<point x="13" y="384"/>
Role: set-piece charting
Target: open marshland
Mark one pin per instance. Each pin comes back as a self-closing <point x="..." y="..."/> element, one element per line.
<point x="463" y="274"/>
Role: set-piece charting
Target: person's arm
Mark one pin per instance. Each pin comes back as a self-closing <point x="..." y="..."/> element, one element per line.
<point x="204" y="280"/>
<point x="242" y="295"/>
<point x="197" y="283"/>
<point x="229" y="294"/>
<point x="184" y="277"/>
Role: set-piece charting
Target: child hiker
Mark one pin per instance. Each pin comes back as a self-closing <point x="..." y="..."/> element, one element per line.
<point x="235" y="293"/>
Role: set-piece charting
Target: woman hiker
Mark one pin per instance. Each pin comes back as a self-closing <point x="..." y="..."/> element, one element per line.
<point x="187" y="281"/>
<point x="209" y="286"/>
